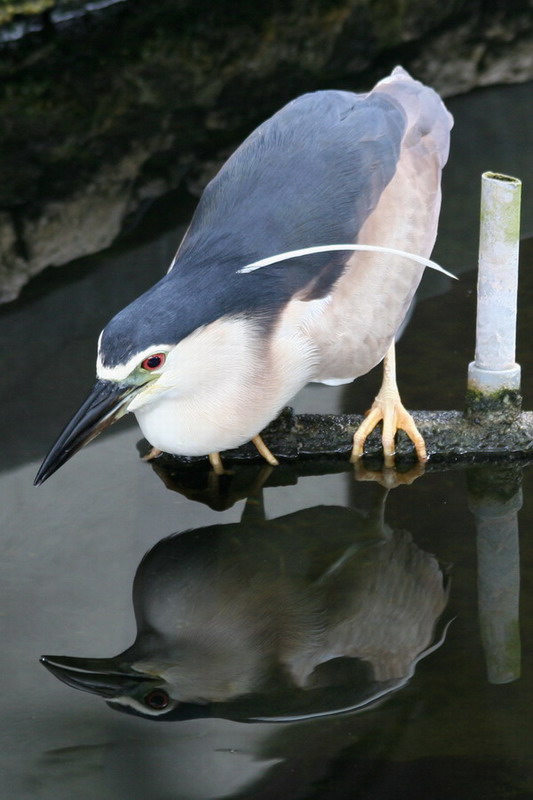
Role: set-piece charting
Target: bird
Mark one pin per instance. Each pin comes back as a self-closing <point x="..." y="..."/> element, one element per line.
<point x="321" y="611"/>
<point x="299" y="265"/>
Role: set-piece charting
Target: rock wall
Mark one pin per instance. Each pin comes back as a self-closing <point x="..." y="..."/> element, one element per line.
<point x="108" y="105"/>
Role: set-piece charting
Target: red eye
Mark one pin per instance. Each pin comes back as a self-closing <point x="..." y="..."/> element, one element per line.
<point x="154" y="362"/>
<point x="158" y="699"/>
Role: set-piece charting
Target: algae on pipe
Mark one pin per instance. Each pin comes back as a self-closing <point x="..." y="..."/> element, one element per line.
<point x="494" y="368"/>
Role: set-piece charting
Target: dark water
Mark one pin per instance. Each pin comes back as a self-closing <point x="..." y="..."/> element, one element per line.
<point x="316" y="595"/>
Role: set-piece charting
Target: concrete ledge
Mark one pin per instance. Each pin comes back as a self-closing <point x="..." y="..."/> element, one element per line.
<point x="451" y="438"/>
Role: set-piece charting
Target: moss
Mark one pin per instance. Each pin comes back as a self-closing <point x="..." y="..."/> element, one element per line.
<point x="485" y="483"/>
<point x="9" y="9"/>
<point x="501" y="406"/>
<point x="503" y="216"/>
<point x="74" y="97"/>
<point x="180" y="78"/>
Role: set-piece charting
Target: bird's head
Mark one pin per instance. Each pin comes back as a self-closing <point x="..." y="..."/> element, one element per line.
<point x="171" y="677"/>
<point x="125" y="686"/>
<point x="127" y="379"/>
<point x="162" y="343"/>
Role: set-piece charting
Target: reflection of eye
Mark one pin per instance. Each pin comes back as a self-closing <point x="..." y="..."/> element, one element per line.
<point x="158" y="699"/>
<point x="154" y="362"/>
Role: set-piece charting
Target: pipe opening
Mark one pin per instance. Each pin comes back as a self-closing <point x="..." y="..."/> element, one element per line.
<point x="498" y="176"/>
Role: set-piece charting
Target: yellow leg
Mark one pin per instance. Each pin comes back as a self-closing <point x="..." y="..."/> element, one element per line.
<point x="265" y="452"/>
<point x="154" y="453"/>
<point x="388" y="407"/>
<point x="216" y="463"/>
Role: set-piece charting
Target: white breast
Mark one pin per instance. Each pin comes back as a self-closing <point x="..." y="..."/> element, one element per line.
<point x="221" y="386"/>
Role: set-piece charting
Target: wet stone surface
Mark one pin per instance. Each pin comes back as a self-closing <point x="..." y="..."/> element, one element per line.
<point x="449" y="435"/>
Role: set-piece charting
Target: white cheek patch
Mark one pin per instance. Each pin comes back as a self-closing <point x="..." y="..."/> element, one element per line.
<point x="136" y="705"/>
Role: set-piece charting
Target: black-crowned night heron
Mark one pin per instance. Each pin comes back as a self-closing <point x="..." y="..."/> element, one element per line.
<point x="244" y="319"/>
<point x="316" y="612"/>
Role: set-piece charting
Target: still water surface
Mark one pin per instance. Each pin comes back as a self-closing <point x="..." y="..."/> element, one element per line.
<point x="314" y="595"/>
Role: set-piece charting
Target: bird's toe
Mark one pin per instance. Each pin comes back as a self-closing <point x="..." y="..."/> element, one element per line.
<point x="405" y="422"/>
<point x="154" y="453"/>
<point x="269" y="457"/>
<point x="372" y="418"/>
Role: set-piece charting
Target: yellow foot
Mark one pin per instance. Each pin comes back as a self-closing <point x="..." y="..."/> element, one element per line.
<point x="154" y="453"/>
<point x="265" y="452"/>
<point x="394" y="417"/>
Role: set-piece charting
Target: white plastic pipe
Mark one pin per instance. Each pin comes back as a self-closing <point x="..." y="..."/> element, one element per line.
<point x="494" y="367"/>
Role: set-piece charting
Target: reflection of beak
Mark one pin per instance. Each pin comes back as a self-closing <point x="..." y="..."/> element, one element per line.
<point x="103" y="676"/>
<point x="102" y="407"/>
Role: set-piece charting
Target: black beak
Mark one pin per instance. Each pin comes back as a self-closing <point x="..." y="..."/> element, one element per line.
<point x="102" y="676"/>
<point x="102" y="407"/>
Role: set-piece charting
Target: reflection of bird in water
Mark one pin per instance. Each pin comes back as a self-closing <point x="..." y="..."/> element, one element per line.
<point x="210" y="355"/>
<point x="316" y="612"/>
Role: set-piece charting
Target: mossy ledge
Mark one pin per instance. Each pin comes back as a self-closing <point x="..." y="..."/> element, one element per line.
<point x="493" y="409"/>
<point x="451" y="439"/>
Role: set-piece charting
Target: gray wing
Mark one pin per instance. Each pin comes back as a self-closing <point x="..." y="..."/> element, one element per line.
<point x="311" y="175"/>
<point x="308" y="176"/>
